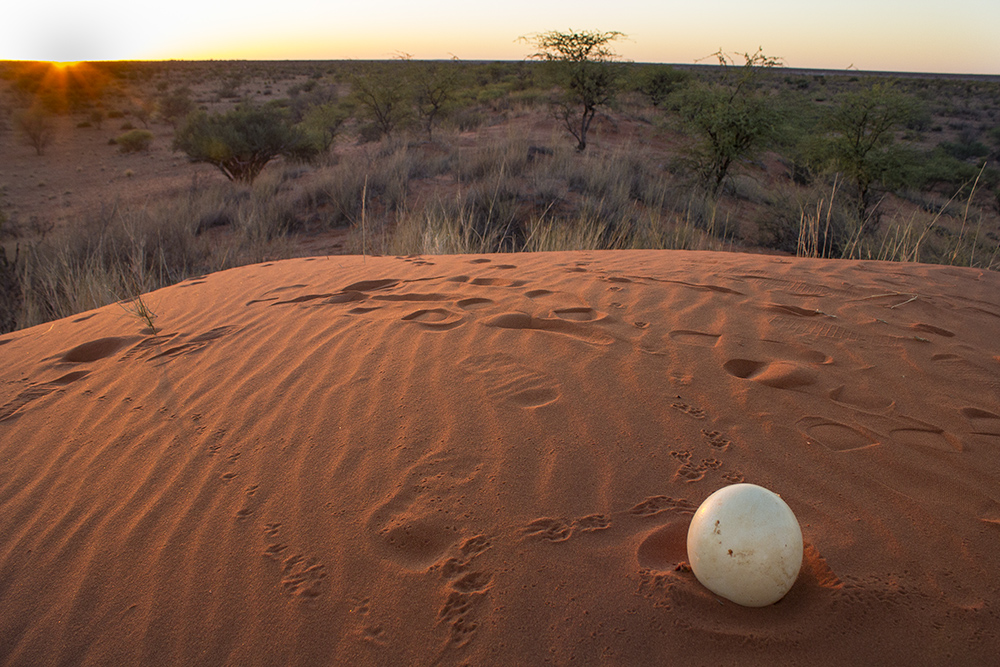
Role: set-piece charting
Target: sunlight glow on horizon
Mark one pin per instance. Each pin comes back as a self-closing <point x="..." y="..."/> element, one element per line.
<point x="887" y="35"/>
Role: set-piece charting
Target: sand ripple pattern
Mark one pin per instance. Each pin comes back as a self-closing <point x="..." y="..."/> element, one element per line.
<point x="494" y="459"/>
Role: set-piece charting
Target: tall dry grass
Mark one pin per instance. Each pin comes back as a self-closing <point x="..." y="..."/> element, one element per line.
<point x="915" y="238"/>
<point x="125" y="251"/>
<point x="506" y="191"/>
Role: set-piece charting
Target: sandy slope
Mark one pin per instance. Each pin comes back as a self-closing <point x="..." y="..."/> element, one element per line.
<point x="493" y="460"/>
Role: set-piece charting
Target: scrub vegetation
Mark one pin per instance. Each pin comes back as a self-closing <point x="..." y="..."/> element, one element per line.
<point x="242" y="162"/>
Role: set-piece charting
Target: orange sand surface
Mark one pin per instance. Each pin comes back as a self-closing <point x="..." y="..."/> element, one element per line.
<point x="493" y="460"/>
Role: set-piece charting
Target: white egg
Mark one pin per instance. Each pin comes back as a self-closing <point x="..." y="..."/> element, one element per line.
<point x="744" y="543"/>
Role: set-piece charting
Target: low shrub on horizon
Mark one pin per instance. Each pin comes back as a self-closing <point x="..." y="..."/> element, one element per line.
<point x="134" y="141"/>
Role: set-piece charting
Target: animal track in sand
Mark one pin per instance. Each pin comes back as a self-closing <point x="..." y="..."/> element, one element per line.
<point x="579" y="314"/>
<point x="976" y="413"/>
<point x="591" y="523"/>
<point x="984" y="422"/>
<point x="414" y="296"/>
<point x="349" y="296"/>
<point x="835" y="436"/>
<point x="14" y="407"/>
<point x="793" y="287"/>
<point x="931" y="329"/>
<point x="507" y="379"/>
<point x="777" y="374"/>
<point x="560" y="529"/>
<point x="693" y="472"/>
<point x="458" y="564"/>
<point x="656" y="504"/>
<point x="473" y="303"/>
<point x="960" y="368"/>
<point x="664" y="548"/>
<point x="926" y="435"/>
<point x="416" y="260"/>
<point x="415" y="543"/>
<point x="573" y="328"/>
<point x="456" y="611"/>
<point x="371" y="285"/>
<point x="696" y="338"/>
<point x="368" y="632"/>
<point x="435" y="319"/>
<point x="301" y="299"/>
<point x="698" y="286"/>
<point x="174" y="345"/>
<point x="497" y="282"/>
<point x="472" y="582"/>
<point x="795" y="310"/>
<point x="467" y="588"/>
<point x="690" y="410"/>
<point x="717" y="440"/>
<point x="94" y="350"/>
<point x="553" y="530"/>
<point x="301" y="576"/>
<point x="808" y="327"/>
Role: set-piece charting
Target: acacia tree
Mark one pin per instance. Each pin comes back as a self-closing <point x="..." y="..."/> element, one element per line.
<point x="433" y="91"/>
<point x="590" y="82"/>
<point x="733" y="118"/>
<point x="862" y="145"/>
<point x="384" y="94"/>
<point x="36" y="127"/>
<point x="322" y="122"/>
<point x="176" y="106"/>
<point x="242" y="141"/>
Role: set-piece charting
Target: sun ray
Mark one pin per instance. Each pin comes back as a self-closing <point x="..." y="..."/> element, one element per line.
<point x="61" y="87"/>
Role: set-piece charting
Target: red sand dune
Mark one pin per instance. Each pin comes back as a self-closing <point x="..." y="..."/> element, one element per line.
<point x="493" y="460"/>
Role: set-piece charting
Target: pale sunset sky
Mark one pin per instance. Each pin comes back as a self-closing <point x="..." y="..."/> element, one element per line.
<point x="961" y="36"/>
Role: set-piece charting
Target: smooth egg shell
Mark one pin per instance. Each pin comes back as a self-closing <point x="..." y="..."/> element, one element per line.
<point x="744" y="543"/>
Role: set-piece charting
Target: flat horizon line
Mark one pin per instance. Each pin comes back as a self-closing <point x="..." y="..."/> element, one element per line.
<point x="825" y="71"/>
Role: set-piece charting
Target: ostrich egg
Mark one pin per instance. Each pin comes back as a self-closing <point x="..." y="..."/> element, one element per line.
<point x="744" y="543"/>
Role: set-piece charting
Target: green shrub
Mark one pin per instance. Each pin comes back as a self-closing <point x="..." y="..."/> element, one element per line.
<point x="175" y="106"/>
<point x="733" y="119"/>
<point x="242" y="141"/>
<point x="134" y="141"/>
<point x="963" y="150"/>
<point x="658" y="82"/>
